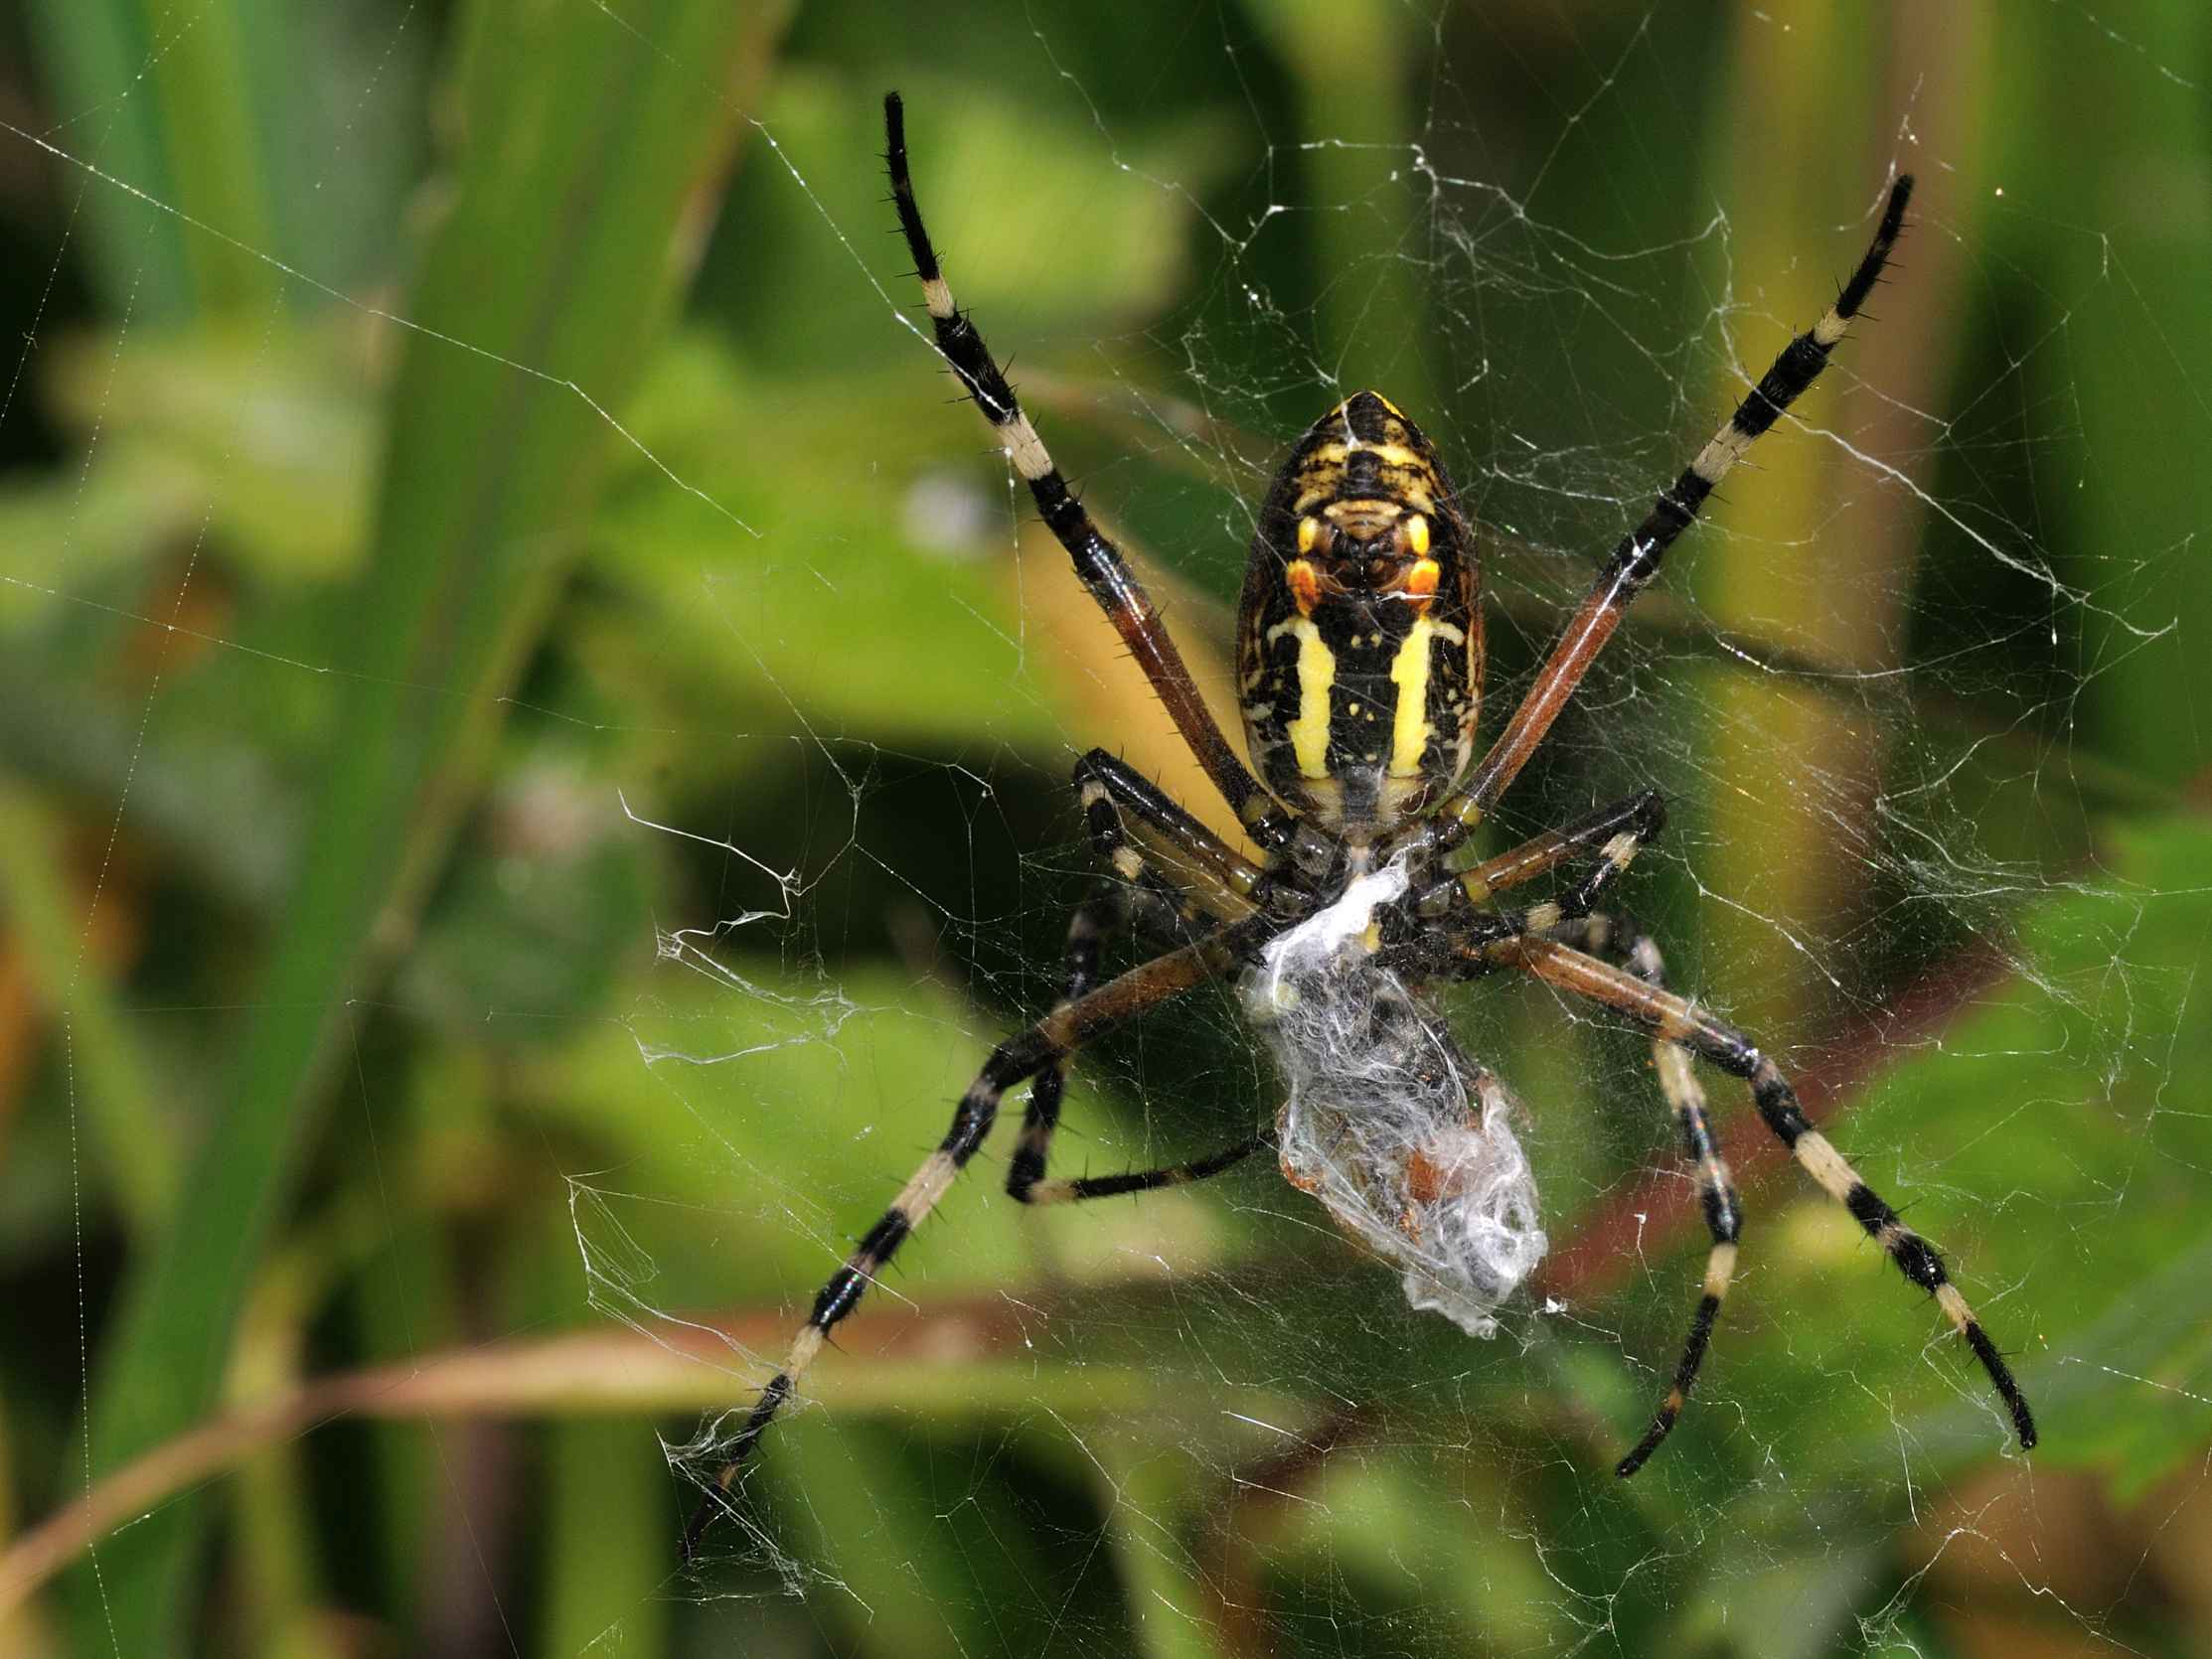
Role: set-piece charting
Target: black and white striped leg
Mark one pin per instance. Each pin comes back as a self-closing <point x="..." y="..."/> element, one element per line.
<point x="1674" y="1020"/>
<point x="1093" y="919"/>
<point x="1609" y="936"/>
<point x="1645" y="817"/>
<point x="1077" y="1189"/>
<point x="1223" y="874"/>
<point x="1717" y="1188"/>
<point x="1637" y="557"/>
<point x="1098" y="562"/>
<point x="1021" y="1057"/>
<point x="1915" y="1257"/>
<point x="1134" y="891"/>
<point x="1619" y="832"/>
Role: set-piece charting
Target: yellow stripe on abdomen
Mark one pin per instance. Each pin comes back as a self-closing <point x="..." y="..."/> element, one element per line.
<point x="1316" y="674"/>
<point x="1410" y="730"/>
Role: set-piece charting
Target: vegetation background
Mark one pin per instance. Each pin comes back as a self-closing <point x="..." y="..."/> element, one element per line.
<point x="445" y="443"/>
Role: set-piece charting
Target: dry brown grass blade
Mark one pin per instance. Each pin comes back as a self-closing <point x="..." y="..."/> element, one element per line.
<point x="610" y="1371"/>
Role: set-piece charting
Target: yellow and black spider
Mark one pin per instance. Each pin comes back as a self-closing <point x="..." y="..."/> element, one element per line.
<point x="1360" y="661"/>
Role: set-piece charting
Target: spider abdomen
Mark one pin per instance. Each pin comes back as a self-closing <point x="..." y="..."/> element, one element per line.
<point x="1360" y="637"/>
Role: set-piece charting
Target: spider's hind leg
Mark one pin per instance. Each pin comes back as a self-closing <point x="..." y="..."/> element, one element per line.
<point x="1098" y="562"/>
<point x="1637" y="556"/>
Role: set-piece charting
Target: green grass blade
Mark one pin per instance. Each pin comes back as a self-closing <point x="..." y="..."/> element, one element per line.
<point x="88" y="49"/>
<point x="184" y="105"/>
<point x="587" y="138"/>
<point x="134" y="1144"/>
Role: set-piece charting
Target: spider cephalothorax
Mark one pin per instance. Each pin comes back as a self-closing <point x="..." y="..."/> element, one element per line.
<point x="1359" y="640"/>
<point x="1360" y="664"/>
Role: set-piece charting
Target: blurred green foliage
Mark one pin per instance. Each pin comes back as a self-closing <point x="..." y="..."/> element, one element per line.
<point x="477" y="506"/>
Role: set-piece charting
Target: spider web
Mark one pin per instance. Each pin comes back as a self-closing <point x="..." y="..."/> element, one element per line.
<point x="780" y="845"/>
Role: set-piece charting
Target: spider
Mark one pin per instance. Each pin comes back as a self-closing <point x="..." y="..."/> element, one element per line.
<point x="1360" y="661"/>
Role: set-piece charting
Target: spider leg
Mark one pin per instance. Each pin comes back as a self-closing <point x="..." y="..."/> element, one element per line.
<point x="1675" y="1020"/>
<point x="1105" y="909"/>
<point x="1230" y="880"/>
<point x="1104" y="784"/>
<point x="1636" y="559"/>
<point x="1082" y="1187"/>
<point x="1097" y="560"/>
<point x="1716" y="1189"/>
<point x="1618" y="831"/>
<point x="1020" y="1057"/>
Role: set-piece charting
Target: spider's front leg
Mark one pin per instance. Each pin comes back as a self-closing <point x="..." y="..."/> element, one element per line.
<point x="1018" y="1058"/>
<point x="1608" y="937"/>
<point x="1112" y="904"/>
<point x="1610" y="838"/>
<point x="1136" y="893"/>
<point x="1616" y="832"/>
<point x="1676" y="1021"/>
<point x="1623" y="828"/>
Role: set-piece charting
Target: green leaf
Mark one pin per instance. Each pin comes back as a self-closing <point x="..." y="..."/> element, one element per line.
<point x="2042" y="1145"/>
